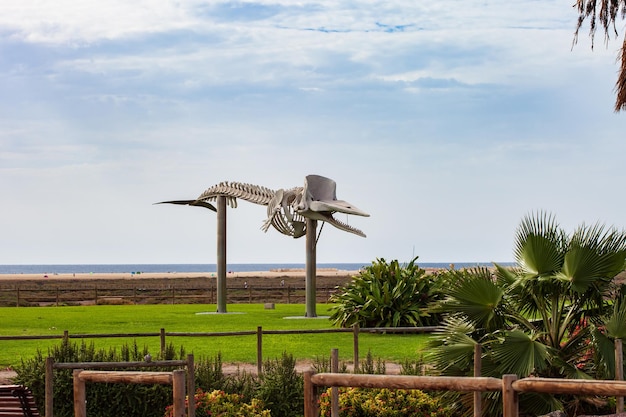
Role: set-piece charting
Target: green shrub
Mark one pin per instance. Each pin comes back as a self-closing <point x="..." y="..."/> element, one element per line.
<point x="387" y="295"/>
<point x="103" y="400"/>
<point x="371" y="366"/>
<point x="219" y="403"/>
<point x="368" y="402"/>
<point x="282" y="388"/>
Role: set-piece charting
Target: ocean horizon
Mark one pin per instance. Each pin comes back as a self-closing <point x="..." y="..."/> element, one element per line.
<point x="147" y="268"/>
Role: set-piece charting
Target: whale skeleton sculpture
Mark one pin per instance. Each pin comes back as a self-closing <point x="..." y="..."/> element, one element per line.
<point x="292" y="212"/>
<point x="287" y="210"/>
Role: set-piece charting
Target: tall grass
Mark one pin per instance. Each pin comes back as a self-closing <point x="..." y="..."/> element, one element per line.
<point x="195" y="318"/>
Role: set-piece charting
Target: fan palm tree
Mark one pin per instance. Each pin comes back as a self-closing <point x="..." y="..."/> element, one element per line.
<point x="606" y="11"/>
<point x="544" y="317"/>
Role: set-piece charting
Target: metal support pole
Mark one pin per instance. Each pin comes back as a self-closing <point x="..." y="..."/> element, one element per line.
<point x="221" y="254"/>
<point x="311" y="267"/>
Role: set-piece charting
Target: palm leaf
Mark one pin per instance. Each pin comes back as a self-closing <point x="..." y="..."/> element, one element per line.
<point x="520" y="354"/>
<point x="452" y="347"/>
<point x="475" y="295"/>
<point x="539" y="244"/>
<point x="604" y="359"/>
<point x="595" y="256"/>
<point x="616" y="324"/>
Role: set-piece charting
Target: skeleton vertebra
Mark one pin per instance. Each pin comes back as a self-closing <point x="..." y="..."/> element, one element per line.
<point x="287" y="210"/>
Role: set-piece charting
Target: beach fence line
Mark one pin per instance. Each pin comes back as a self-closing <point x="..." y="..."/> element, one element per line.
<point x="27" y="295"/>
<point x="259" y="333"/>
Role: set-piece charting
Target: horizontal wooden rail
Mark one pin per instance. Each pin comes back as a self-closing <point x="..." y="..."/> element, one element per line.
<point x="126" y="377"/>
<point x="408" y="382"/>
<point x="509" y="385"/>
<point x="571" y="386"/>
<point x="114" y="365"/>
<point x="211" y="334"/>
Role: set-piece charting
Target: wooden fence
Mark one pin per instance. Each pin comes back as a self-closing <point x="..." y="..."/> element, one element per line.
<point x="182" y="382"/>
<point x="259" y="333"/>
<point x="29" y="295"/>
<point x="175" y="378"/>
<point x="509" y="385"/>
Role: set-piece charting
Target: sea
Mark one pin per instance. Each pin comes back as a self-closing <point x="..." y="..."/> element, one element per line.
<point x="146" y="268"/>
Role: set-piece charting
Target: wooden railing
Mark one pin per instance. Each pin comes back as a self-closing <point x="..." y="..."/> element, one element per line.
<point x="259" y="333"/>
<point x="509" y="385"/>
<point x="182" y="389"/>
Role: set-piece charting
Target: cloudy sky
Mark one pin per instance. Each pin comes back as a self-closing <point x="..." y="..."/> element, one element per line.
<point x="446" y="121"/>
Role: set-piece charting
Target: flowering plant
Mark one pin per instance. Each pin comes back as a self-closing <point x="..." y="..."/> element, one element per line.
<point x="219" y="403"/>
<point x="367" y="402"/>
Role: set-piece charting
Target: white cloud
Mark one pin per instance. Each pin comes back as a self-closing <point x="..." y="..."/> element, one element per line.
<point x="447" y="121"/>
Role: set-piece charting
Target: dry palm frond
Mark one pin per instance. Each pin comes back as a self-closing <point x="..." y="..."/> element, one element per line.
<point x="620" y="86"/>
<point x="605" y="12"/>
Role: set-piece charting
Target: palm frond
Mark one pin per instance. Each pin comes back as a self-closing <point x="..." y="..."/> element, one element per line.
<point x="520" y="353"/>
<point x="474" y="294"/>
<point x="616" y="324"/>
<point x="451" y="347"/>
<point x="595" y="254"/>
<point x="539" y="244"/>
<point x="620" y="85"/>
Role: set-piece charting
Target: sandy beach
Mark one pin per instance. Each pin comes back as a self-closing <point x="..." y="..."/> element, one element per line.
<point x="276" y="273"/>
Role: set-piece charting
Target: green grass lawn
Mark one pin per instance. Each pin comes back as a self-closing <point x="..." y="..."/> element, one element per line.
<point x="193" y="318"/>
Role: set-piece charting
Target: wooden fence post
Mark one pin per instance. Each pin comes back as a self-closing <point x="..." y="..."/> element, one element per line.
<point x="259" y="350"/>
<point x="178" y="385"/>
<point x="334" y="397"/>
<point x="619" y="372"/>
<point x="310" y="399"/>
<point x="355" y="343"/>
<point x="510" y="399"/>
<point x="478" y="409"/>
<point x="49" y="386"/>
<point x="80" y="398"/>
<point x="96" y="294"/>
<point x="17" y="302"/>
<point x="162" y="342"/>
<point x="191" y="386"/>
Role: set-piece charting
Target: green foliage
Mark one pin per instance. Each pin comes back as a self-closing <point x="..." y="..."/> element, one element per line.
<point x="219" y="403"/>
<point x="322" y="364"/>
<point x="102" y="399"/>
<point x="371" y="366"/>
<point x="208" y="373"/>
<point x="387" y="295"/>
<point x="552" y="316"/>
<point x="413" y="367"/>
<point x="282" y="388"/>
<point x="366" y="402"/>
